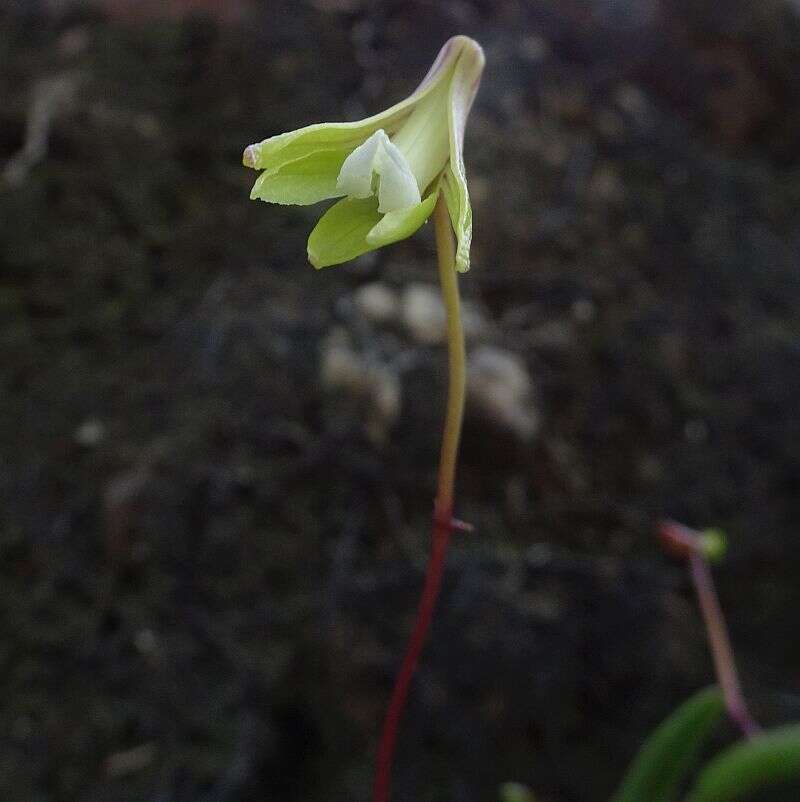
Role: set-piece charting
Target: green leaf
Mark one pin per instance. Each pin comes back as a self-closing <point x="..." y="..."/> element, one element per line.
<point x="341" y="233"/>
<point x="671" y="751"/>
<point x="769" y="758"/>
<point x="308" y="179"/>
<point x="401" y="224"/>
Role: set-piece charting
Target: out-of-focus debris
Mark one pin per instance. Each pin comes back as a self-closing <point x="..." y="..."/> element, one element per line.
<point x="696" y="430"/>
<point x="146" y="642"/>
<point x="633" y="101"/>
<point x="122" y="502"/>
<point x="365" y="380"/>
<point x="130" y="761"/>
<point x="377" y="302"/>
<point x="515" y="792"/>
<point x="738" y="97"/>
<point x="534" y="49"/>
<point x="50" y="97"/>
<point x="605" y="186"/>
<point x="90" y="433"/>
<point x="583" y="310"/>
<point x="137" y="10"/>
<point x="554" y="335"/>
<point x="500" y="387"/>
<point x="338" y="6"/>
<point x="73" y="42"/>
<point x="423" y="315"/>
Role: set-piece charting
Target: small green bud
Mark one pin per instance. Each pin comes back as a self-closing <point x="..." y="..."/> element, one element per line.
<point x="713" y="544"/>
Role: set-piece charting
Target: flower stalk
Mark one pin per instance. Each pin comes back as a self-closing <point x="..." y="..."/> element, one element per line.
<point x="388" y="174"/>
<point x="697" y="548"/>
<point x="443" y="522"/>
<point x="721" y="651"/>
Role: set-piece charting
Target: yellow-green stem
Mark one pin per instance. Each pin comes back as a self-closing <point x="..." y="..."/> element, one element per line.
<point x="443" y="523"/>
<point x="448" y="278"/>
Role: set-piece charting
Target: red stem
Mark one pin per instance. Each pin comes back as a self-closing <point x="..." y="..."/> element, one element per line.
<point x="684" y="543"/>
<point x="443" y="522"/>
<point x="721" y="650"/>
<point x="442" y="529"/>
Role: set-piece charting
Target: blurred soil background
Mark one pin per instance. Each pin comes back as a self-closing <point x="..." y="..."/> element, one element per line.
<point x="218" y="464"/>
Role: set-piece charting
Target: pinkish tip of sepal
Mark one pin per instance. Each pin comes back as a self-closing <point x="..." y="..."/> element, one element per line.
<point x="250" y="156"/>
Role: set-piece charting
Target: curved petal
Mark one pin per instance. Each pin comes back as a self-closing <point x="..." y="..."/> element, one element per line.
<point x="400" y="224"/>
<point x="398" y="188"/>
<point x="341" y="233"/>
<point x="357" y="175"/>
<point x="309" y="179"/>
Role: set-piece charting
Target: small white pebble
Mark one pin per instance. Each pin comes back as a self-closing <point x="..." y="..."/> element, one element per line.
<point x="501" y="388"/>
<point x="557" y="335"/>
<point x="632" y="100"/>
<point x="377" y="302"/>
<point x="90" y="432"/>
<point x="130" y="761"/>
<point x="583" y="310"/>
<point x="423" y="313"/>
<point x="534" y="48"/>
<point x="473" y="321"/>
<point x="341" y="367"/>
<point x="346" y="370"/>
<point x="146" y="642"/>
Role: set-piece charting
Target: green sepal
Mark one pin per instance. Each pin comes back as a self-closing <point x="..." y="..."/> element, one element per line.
<point x="302" y="181"/>
<point x="398" y="225"/>
<point x="341" y="233"/>
<point x="459" y="209"/>
<point x="463" y="87"/>
<point x="669" y="754"/>
<point x="769" y="758"/>
<point x="353" y="226"/>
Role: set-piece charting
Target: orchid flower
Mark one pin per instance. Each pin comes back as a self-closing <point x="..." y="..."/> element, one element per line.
<point x="388" y="169"/>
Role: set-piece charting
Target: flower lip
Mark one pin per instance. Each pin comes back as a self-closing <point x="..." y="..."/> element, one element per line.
<point x="378" y="164"/>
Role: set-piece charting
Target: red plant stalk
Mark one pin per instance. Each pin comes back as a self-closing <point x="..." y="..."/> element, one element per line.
<point x="721" y="650"/>
<point x="443" y="522"/>
<point x="686" y="543"/>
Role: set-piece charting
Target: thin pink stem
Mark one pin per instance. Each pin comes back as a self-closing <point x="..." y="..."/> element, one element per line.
<point x="443" y="522"/>
<point x="397" y="703"/>
<point x="719" y="641"/>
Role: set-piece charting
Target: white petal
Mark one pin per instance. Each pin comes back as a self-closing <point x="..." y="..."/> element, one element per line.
<point x="377" y="157"/>
<point x="355" y="177"/>
<point x="398" y="188"/>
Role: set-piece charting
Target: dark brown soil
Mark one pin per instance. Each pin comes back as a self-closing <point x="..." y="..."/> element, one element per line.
<point x="209" y="565"/>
